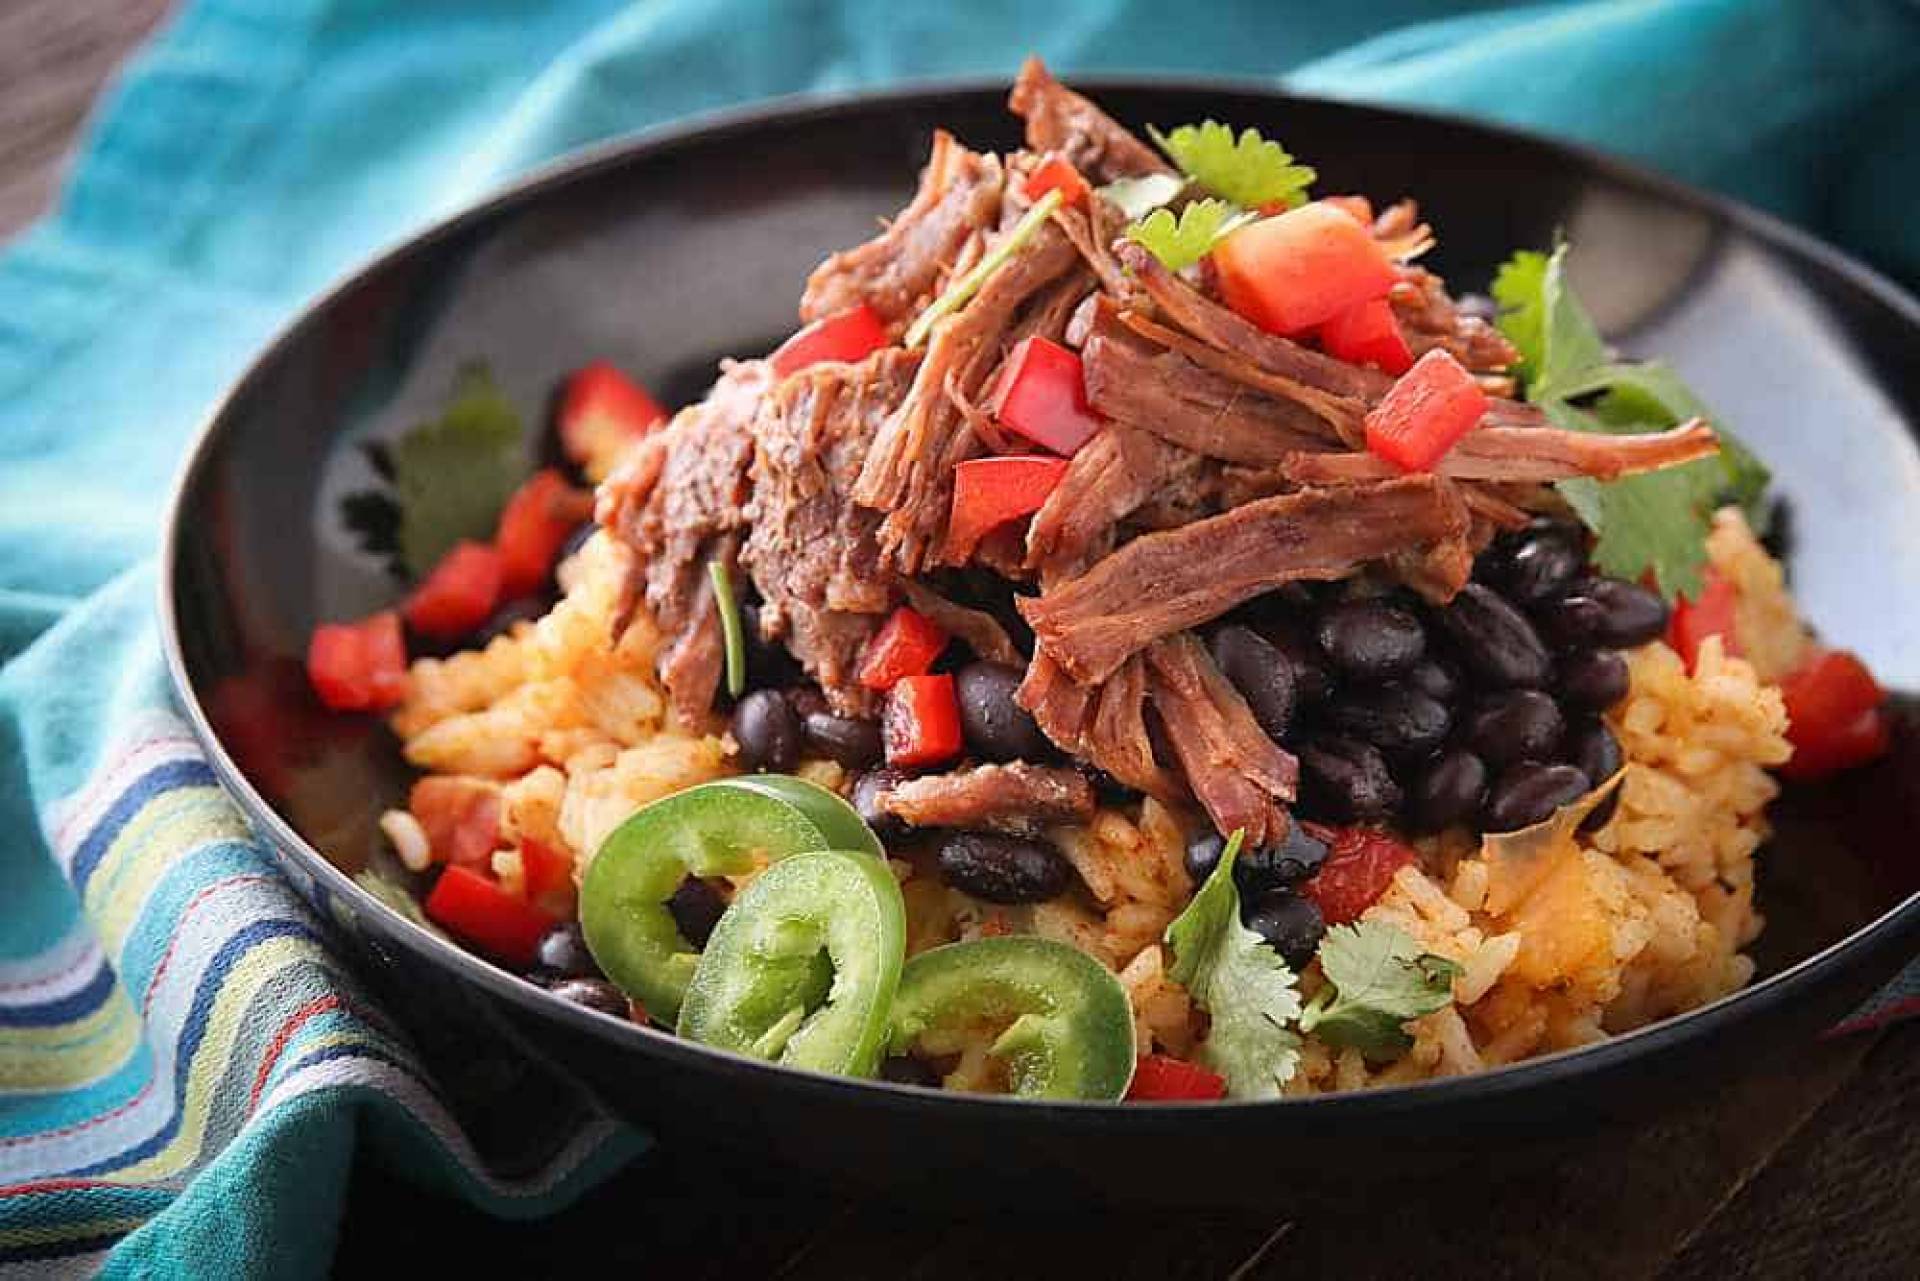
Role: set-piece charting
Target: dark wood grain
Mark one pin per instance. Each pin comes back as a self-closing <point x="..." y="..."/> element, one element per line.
<point x="1810" y="1168"/>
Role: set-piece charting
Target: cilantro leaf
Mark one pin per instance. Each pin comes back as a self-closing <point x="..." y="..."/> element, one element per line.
<point x="1180" y="244"/>
<point x="1135" y="198"/>
<point x="1654" y="523"/>
<point x="1377" y="979"/>
<point x="1244" y="986"/>
<point x="453" y="474"/>
<point x="1250" y="171"/>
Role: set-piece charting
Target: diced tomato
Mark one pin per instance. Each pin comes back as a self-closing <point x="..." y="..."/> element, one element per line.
<point x="989" y="492"/>
<point x="1301" y="268"/>
<point x="921" y="721"/>
<point x="461" y="817"/>
<point x="1367" y="334"/>
<point x="1834" y="717"/>
<point x="1042" y="395"/>
<point x="479" y="912"/>
<point x="1430" y="407"/>
<point x="1163" y="1078"/>
<point x="1710" y="615"/>
<point x="359" y="667"/>
<point x="1360" y="864"/>
<point x="1056" y="174"/>
<point x="853" y="334"/>
<point x="600" y="400"/>
<point x="458" y="595"/>
<point x="535" y="524"/>
<point x="906" y="645"/>
<point x="548" y="870"/>
<point x="1358" y="208"/>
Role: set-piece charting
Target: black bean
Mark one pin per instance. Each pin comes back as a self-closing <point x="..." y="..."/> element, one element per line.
<point x="997" y="728"/>
<point x="1396" y="718"/>
<point x="595" y="994"/>
<point x="1268" y="867"/>
<point x="1591" y="748"/>
<point x="1342" y="780"/>
<point x="1434" y="679"/>
<point x="696" y="907"/>
<point x="1607" y="612"/>
<point x="1311" y="680"/>
<point x="1448" y="791"/>
<point x="1371" y="639"/>
<point x="1536" y="564"/>
<point x="1592" y="679"/>
<point x="908" y="1069"/>
<point x="1529" y="793"/>
<point x="867" y="790"/>
<point x="1290" y="924"/>
<point x="1203" y="855"/>
<point x="767" y="731"/>
<point x="1003" y="869"/>
<point x="1513" y="725"/>
<point x="1493" y="640"/>
<point x="851" y="741"/>
<point x="526" y="609"/>
<point x="1261" y="672"/>
<point x="562" y="953"/>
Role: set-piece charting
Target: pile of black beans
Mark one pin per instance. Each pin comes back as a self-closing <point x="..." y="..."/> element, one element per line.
<point x="1484" y="713"/>
<point x="1268" y="880"/>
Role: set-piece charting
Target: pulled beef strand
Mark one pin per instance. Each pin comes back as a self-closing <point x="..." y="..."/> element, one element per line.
<point x="1109" y="479"/>
<point x="1166" y="582"/>
<point x="980" y="630"/>
<point x="1016" y="797"/>
<point x="1105" y="725"/>
<point x="1525" y="454"/>
<point x="1239" y="775"/>
<point x="1062" y="121"/>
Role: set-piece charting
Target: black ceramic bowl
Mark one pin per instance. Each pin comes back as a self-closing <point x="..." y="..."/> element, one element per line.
<point x="669" y="251"/>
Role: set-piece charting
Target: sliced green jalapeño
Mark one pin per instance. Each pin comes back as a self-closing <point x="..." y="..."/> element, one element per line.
<point x="710" y="830"/>
<point x="1067" y="1025"/>
<point x="803" y="967"/>
<point x="839" y="821"/>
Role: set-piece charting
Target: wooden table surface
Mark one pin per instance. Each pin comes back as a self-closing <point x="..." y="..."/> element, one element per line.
<point x="1809" y="1168"/>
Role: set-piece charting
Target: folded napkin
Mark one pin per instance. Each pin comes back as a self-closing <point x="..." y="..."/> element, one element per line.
<point x="185" y="1072"/>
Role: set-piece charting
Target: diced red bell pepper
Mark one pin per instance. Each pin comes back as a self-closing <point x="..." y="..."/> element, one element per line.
<point x="461" y="817"/>
<point x="1427" y="409"/>
<point x="359" y="667"/>
<point x="1161" y="1078"/>
<point x="1042" y="395"/>
<point x="1296" y="270"/>
<point x="1358" y="208"/>
<point x="1055" y="173"/>
<point x="1711" y="614"/>
<point x="1834" y="717"/>
<point x="850" y="335"/>
<point x="534" y="525"/>
<point x="1368" y="334"/>
<point x="989" y="492"/>
<point x="1360" y="864"/>
<point x="906" y="645"/>
<point x="600" y="398"/>
<point x="477" y="911"/>
<point x="458" y="595"/>
<point x="921" y="721"/>
<point x="548" y="870"/>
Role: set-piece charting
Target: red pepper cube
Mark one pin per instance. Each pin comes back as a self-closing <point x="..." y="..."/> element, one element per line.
<point x="1711" y="614"/>
<point x="906" y="645"/>
<point x="548" y="870"/>
<point x="1368" y="334"/>
<point x="359" y="667"/>
<point x="1161" y="1078"/>
<point x="1055" y="173"/>
<point x="1360" y="864"/>
<point x="534" y="526"/>
<point x="600" y="400"/>
<point x="850" y="335"/>
<point x="1299" y="269"/>
<point x="458" y="595"/>
<point x="1423" y="414"/>
<point x="478" y="912"/>
<point x="1042" y="396"/>
<point x="989" y="492"/>
<point x="1834" y="718"/>
<point x="921" y="722"/>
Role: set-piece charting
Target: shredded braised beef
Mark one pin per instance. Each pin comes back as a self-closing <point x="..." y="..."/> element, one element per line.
<point x="1008" y="798"/>
<point x="1061" y="121"/>
<point x="1241" y="777"/>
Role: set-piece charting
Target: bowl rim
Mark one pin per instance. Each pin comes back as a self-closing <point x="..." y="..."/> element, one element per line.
<point x="1901" y="921"/>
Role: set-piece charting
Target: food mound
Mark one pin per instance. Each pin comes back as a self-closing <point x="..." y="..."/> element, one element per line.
<point x="1141" y="637"/>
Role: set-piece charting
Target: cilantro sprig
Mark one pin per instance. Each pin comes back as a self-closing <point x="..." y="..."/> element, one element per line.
<point x="1249" y="170"/>
<point x="453" y="474"/>
<point x="1377" y="979"/>
<point x="1179" y="243"/>
<point x="1244" y="986"/>
<point x="1653" y="524"/>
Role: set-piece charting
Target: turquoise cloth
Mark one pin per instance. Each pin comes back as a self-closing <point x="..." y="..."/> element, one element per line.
<point x="259" y="147"/>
